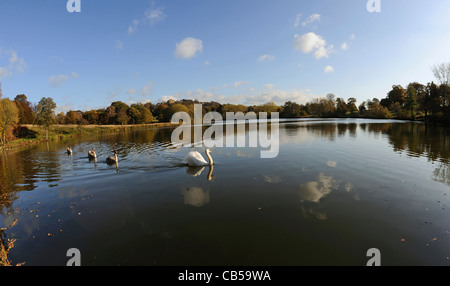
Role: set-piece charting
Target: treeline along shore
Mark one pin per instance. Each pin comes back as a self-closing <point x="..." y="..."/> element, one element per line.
<point x="25" y="121"/>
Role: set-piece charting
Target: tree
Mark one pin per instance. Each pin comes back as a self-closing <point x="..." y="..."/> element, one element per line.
<point x="292" y="110"/>
<point x="25" y="110"/>
<point x="160" y="110"/>
<point x="1" y="106"/>
<point x="91" y="116"/>
<point x="73" y="117"/>
<point x="433" y="100"/>
<point x="9" y="115"/>
<point x="329" y="105"/>
<point x="107" y="117"/>
<point x="444" y="94"/>
<point x="411" y="101"/>
<point x="45" y="113"/>
<point x="341" y="107"/>
<point x="60" y="118"/>
<point x="121" y="116"/>
<point x="331" y="97"/>
<point x="362" y="107"/>
<point x="139" y="114"/>
<point x="376" y="110"/>
<point x="174" y="108"/>
<point x="233" y="108"/>
<point x="442" y="73"/>
<point x="134" y="115"/>
<point x="397" y="94"/>
<point x="351" y="105"/>
<point x="267" y="107"/>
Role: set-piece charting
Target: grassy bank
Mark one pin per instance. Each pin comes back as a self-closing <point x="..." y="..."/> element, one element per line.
<point x="31" y="134"/>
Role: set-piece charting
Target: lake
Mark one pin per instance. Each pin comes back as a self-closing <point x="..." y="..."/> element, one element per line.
<point x="337" y="188"/>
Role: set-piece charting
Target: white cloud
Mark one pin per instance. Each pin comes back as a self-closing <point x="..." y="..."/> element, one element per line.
<point x="14" y="58"/>
<point x="3" y="72"/>
<point x="240" y="83"/>
<point x="15" y="63"/>
<point x="133" y="26"/>
<point x="252" y="97"/>
<point x="311" y="19"/>
<point x="144" y="91"/>
<point x="154" y="16"/>
<point x="345" y="45"/>
<point x="64" y="108"/>
<point x="188" y="48"/>
<point x="324" y="52"/>
<point x="207" y="63"/>
<point x="147" y="90"/>
<point x="279" y="97"/>
<point x="269" y="86"/>
<point x="165" y="98"/>
<point x="297" y="20"/>
<point x="328" y="69"/>
<point x="58" y="80"/>
<point x="266" y="58"/>
<point x="151" y="17"/>
<point x="310" y="42"/>
<point x="118" y="45"/>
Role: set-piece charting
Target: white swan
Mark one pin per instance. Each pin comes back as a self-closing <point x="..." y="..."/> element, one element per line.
<point x="194" y="158"/>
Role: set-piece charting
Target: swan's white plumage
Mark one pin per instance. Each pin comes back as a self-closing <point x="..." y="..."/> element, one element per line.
<point x="194" y="158"/>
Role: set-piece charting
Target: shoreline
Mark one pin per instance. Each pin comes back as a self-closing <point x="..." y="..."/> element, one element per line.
<point x="66" y="131"/>
<point x="62" y="132"/>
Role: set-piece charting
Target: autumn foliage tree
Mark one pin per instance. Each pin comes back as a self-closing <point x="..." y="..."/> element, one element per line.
<point x="25" y="109"/>
<point x="9" y="115"/>
<point x="44" y="113"/>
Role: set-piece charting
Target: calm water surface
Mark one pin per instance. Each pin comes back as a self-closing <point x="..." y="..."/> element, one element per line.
<point x="336" y="189"/>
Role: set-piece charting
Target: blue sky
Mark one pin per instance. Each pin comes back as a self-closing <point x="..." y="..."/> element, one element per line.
<point x="230" y="51"/>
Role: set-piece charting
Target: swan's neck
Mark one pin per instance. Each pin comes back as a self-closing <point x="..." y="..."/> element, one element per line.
<point x="210" y="159"/>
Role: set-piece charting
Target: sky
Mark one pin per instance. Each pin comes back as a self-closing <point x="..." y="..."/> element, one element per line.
<point x="229" y="51"/>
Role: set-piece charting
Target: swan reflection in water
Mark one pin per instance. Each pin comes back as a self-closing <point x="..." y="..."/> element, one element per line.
<point x="197" y="196"/>
<point x="117" y="165"/>
<point x="93" y="159"/>
<point x="198" y="170"/>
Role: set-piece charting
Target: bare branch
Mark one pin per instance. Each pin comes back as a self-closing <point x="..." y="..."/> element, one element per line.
<point x="442" y="73"/>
